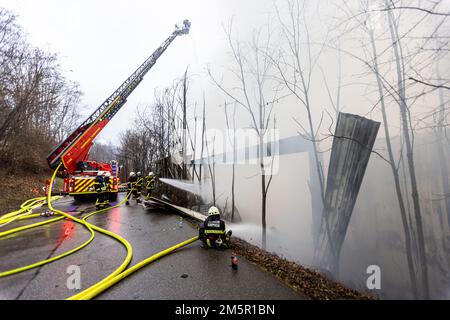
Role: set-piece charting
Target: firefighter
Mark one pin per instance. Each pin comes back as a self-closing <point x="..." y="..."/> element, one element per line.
<point x="149" y="183"/>
<point x="212" y="231"/>
<point x="106" y="188"/>
<point x="98" y="186"/>
<point x="132" y="187"/>
<point x="139" y="182"/>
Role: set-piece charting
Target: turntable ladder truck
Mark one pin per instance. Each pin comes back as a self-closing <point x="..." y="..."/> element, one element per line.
<point x="78" y="170"/>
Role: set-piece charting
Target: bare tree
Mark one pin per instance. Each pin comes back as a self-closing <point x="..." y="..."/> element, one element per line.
<point x="295" y="65"/>
<point x="441" y="134"/>
<point x="232" y="140"/>
<point x="252" y="74"/>
<point x="184" y="137"/>
<point x="402" y="102"/>
<point x="193" y="142"/>
<point x="392" y="162"/>
<point x="202" y="136"/>
<point x="211" y="157"/>
<point x="404" y="55"/>
<point x="37" y="103"/>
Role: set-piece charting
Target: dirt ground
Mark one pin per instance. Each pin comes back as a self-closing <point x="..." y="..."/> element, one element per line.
<point x="15" y="189"/>
<point x="306" y="282"/>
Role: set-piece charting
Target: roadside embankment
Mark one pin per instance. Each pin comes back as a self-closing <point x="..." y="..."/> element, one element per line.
<point x="15" y="189"/>
<point x="307" y="282"/>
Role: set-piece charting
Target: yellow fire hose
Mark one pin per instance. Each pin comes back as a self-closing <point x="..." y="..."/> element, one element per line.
<point x="20" y="217"/>
<point x="63" y="215"/>
<point x="30" y="226"/>
<point x="26" y="206"/>
<point x="119" y="275"/>
<point x="104" y="285"/>
<point x="40" y="263"/>
<point x="111" y="279"/>
<point x="25" y="210"/>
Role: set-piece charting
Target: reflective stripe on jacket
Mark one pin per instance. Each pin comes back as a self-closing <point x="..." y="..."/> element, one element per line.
<point x="214" y="231"/>
<point x="149" y="182"/>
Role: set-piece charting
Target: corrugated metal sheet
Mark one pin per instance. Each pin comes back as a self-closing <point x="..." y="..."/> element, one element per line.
<point x="352" y="146"/>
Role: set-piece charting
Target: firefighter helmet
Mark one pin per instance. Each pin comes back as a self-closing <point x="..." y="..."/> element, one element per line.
<point x="99" y="173"/>
<point x="151" y="174"/>
<point x="213" y="211"/>
<point x="138" y="173"/>
<point x="108" y="174"/>
<point x="132" y="174"/>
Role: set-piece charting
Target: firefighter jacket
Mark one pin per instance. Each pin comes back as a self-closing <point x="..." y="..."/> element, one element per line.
<point x="98" y="183"/>
<point x="106" y="186"/>
<point x="139" y="182"/>
<point x="149" y="182"/>
<point x="131" y="182"/>
<point x="213" y="225"/>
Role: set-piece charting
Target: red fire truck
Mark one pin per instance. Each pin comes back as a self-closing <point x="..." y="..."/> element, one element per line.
<point x="77" y="169"/>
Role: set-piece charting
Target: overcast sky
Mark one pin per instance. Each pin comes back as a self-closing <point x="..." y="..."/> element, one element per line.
<point x="101" y="42"/>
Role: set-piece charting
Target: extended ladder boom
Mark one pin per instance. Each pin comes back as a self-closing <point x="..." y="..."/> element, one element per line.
<point x="76" y="147"/>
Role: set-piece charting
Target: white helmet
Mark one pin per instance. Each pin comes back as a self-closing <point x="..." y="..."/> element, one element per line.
<point x="138" y="173"/>
<point x="108" y="174"/>
<point x="151" y="174"/>
<point x="132" y="173"/>
<point x="99" y="173"/>
<point x="213" y="211"/>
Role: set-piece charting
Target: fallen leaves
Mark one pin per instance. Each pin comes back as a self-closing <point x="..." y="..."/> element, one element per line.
<point x="307" y="282"/>
<point x="15" y="189"/>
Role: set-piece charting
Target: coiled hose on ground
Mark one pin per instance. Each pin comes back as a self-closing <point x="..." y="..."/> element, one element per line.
<point x="117" y="275"/>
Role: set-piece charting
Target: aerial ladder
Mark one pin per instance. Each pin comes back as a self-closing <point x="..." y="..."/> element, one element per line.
<point x="73" y="152"/>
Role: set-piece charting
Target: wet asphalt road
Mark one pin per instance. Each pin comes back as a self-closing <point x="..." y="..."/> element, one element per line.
<point x="191" y="272"/>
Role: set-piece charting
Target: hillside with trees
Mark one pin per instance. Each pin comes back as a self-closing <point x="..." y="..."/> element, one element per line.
<point x="38" y="107"/>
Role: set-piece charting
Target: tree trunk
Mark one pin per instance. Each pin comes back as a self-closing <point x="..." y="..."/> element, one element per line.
<point x="441" y="152"/>
<point x="203" y="139"/>
<point x="263" y="193"/>
<point x="398" y="191"/>
<point x="232" y="190"/>
<point x="184" y="174"/>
